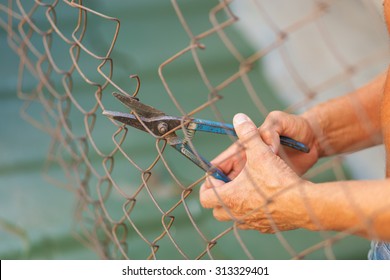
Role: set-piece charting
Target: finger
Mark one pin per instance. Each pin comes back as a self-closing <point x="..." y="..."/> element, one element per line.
<point x="211" y="182"/>
<point x="285" y="124"/>
<point x="261" y="229"/>
<point x="270" y="137"/>
<point x="221" y="214"/>
<point x="231" y="160"/>
<point x="214" y="197"/>
<point x="275" y="124"/>
<point x="249" y="137"/>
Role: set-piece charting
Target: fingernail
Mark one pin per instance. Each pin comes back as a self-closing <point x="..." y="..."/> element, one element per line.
<point x="272" y="148"/>
<point x="240" y="118"/>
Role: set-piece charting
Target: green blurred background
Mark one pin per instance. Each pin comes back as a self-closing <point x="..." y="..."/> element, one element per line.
<point x="36" y="218"/>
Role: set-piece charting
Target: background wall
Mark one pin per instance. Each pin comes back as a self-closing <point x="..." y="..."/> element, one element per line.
<point x="348" y="35"/>
<point x="39" y="220"/>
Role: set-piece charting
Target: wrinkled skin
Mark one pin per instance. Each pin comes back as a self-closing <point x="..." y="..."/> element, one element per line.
<point x="261" y="194"/>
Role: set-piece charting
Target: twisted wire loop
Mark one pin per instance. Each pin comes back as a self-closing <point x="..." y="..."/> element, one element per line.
<point x="136" y="208"/>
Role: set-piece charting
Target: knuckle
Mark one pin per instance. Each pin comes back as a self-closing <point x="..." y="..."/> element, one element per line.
<point x="267" y="230"/>
<point x="217" y="216"/>
<point x="205" y="201"/>
<point x="273" y="121"/>
<point x="227" y="202"/>
<point x="242" y="225"/>
<point x="220" y="215"/>
<point x="262" y="230"/>
<point x="230" y="200"/>
<point x="275" y="116"/>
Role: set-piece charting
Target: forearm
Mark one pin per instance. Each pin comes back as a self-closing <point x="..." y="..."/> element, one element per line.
<point x="349" y="123"/>
<point x="357" y="207"/>
<point x="385" y="119"/>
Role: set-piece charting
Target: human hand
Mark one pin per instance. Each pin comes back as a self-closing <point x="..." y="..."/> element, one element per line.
<point x="297" y="127"/>
<point x="263" y="194"/>
<point x="277" y="123"/>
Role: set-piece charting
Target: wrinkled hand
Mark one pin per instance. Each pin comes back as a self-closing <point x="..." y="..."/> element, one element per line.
<point x="297" y="127"/>
<point x="277" y="123"/>
<point x="263" y="194"/>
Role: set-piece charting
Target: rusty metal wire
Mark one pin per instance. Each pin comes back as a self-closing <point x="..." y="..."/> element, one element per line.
<point x="94" y="162"/>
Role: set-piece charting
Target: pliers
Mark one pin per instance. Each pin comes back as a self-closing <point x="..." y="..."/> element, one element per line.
<point x="158" y="124"/>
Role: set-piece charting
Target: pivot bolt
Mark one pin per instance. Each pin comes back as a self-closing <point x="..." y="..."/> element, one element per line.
<point x="162" y="127"/>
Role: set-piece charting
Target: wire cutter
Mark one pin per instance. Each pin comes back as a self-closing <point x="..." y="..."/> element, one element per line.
<point x="157" y="123"/>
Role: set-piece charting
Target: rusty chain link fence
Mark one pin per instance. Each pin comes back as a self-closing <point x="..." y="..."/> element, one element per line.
<point x="136" y="198"/>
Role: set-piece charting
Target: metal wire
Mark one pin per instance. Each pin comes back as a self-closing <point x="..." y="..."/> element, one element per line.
<point x="94" y="165"/>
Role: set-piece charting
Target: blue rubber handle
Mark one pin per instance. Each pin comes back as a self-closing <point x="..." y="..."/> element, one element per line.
<point x="218" y="174"/>
<point x="228" y="129"/>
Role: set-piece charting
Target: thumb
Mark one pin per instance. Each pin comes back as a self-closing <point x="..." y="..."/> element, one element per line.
<point x="249" y="136"/>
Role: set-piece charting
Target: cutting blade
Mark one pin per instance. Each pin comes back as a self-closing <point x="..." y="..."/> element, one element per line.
<point x="138" y="107"/>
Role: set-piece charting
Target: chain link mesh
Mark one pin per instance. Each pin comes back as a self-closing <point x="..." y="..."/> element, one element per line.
<point x="134" y="199"/>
